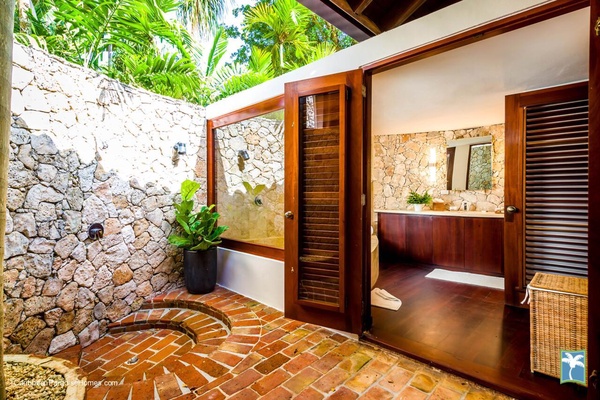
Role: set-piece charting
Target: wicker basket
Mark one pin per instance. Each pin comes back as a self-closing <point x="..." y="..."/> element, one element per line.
<point x="559" y="315"/>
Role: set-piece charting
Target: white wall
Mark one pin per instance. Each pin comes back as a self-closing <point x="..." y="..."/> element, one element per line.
<point x="445" y="22"/>
<point x="256" y="277"/>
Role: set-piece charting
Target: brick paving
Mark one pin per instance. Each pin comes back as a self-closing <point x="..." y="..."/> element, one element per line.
<point x="223" y="345"/>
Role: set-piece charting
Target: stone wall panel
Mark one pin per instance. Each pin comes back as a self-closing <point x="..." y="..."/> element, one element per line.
<point x="400" y="165"/>
<point x="87" y="149"/>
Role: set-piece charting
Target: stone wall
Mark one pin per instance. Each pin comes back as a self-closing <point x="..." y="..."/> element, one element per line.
<point x="86" y="149"/>
<point x="262" y="138"/>
<point x="401" y="164"/>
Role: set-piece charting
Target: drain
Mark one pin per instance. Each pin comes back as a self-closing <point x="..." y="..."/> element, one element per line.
<point x="132" y="360"/>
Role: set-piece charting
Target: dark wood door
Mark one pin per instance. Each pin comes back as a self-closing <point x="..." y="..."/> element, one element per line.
<point x="323" y="201"/>
<point x="594" y="200"/>
<point x="546" y="185"/>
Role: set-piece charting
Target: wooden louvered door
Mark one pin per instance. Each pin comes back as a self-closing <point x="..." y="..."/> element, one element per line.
<point x="322" y="115"/>
<point x="546" y="223"/>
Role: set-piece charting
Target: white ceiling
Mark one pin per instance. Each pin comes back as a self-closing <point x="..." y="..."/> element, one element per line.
<point x="465" y="88"/>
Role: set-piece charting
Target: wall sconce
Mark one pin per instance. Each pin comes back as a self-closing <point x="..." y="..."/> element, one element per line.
<point x="180" y="148"/>
<point x="431" y="165"/>
<point x="244" y="155"/>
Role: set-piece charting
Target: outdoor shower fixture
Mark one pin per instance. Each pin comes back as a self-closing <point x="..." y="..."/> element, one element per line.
<point x="96" y="231"/>
<point x="180" y="148"/>
<point x="244" y="155"/>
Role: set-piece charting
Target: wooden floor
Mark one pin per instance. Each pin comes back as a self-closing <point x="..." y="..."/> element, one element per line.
<point x="462" y="328"/>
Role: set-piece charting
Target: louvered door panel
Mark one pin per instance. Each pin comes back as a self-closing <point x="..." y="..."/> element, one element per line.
<point x="321" y="219"/>
<point x="556" y="189"/>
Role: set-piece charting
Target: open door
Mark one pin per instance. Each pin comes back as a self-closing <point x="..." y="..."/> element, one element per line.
<point x="324" y="195"/>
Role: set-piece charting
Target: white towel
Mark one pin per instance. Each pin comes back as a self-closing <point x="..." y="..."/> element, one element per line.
<point x="383" y="299"/>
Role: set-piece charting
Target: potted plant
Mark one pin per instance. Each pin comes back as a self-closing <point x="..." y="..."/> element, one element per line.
<point x="418" y="200"/>
<point x="198" y="236"/>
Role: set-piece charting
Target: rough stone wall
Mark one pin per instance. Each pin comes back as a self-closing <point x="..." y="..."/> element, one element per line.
<point x="263" y="139"/>
<point x="401" y="164"/>
<point x="86" y="149"/>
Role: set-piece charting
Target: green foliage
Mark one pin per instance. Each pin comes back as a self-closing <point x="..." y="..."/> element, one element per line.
<point x="289" y="32"/>
<point x="198" y="230"/>
<point x="134" y="41"/>
<point x="416" y="198"/>
<point x="130" y="40"/>
<point x="253" y="191"/>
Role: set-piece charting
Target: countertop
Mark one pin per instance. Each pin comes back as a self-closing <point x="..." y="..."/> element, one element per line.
<point x="472" y="214"/>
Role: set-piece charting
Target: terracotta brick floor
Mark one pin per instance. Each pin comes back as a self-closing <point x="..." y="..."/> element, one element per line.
<point x="225" y="346"/>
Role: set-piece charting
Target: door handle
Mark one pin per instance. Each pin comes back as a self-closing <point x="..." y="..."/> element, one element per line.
<point x="512" y="209"/>
<point x="289" y="215"/>
<point x="593" y="379"/>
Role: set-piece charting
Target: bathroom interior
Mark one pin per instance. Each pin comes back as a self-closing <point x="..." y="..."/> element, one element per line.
<point x="438" y="126"/>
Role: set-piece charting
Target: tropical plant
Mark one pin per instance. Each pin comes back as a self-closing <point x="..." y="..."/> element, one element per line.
<point x="254" y="191"/>
<point x="131" y="40"/>
<point x="202" y="15"/>
<point x="573" y="362"/>
<point x="286" y="28"/>
<point x="199" y="230"/>
<point x="416" y="198"/>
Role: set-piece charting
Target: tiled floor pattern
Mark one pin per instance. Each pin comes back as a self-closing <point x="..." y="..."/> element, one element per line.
<point x="260" y="354"/>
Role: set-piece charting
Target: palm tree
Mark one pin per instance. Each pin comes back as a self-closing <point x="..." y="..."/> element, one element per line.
<point x="283" y="24"/>
<point x="203" y="15"/>
<point x="6" y="36"/>
<point x="573" y="362"/>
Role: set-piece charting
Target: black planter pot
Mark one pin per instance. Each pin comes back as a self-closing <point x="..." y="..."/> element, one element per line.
<point x="200" y="270"/>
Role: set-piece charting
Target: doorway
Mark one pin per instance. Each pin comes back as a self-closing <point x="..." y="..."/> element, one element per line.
<point x="458" y="327"/>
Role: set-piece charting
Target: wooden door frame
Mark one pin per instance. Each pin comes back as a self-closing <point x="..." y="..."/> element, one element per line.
<point x="594" y="210"/>
<point x="351" y="320"/>
<point x="510" y="23"/>
<point x="528" y="17"/>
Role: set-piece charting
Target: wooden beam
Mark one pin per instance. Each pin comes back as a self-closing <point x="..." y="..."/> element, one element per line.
<point x="366" y="22"/>
<point x="396" y="19"/>
<point x="362" y="6"/>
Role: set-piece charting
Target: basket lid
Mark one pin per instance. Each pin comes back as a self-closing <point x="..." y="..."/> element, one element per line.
<point x="560" y="283"/>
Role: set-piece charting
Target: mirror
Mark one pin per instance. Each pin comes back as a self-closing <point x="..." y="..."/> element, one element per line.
<point x="469" y="163"/>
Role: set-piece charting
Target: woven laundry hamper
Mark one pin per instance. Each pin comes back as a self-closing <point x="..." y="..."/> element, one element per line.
<point x="558" y="321"/>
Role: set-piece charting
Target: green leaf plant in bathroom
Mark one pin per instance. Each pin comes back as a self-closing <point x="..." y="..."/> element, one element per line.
<point x="418" y="200"/>
<point x="198" y="236"/>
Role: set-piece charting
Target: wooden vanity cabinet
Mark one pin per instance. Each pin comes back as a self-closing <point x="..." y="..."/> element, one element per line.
<point x="448" y="242"/>
<point x="484" y="246"/>
<point x="418" y="239"/>
<point x="467" y="244"/>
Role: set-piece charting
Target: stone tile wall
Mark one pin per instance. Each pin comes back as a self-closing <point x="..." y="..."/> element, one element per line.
<point x="401" y="164"/>
<point x="86" y="149"/>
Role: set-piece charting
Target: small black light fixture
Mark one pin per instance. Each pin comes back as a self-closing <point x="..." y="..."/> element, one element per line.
<point x="180" y="148"/>
<point x="244" y="155"/>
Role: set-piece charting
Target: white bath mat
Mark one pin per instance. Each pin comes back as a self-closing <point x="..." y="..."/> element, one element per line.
<point x="468" y="278"/>
<point x="383" y="299"/>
